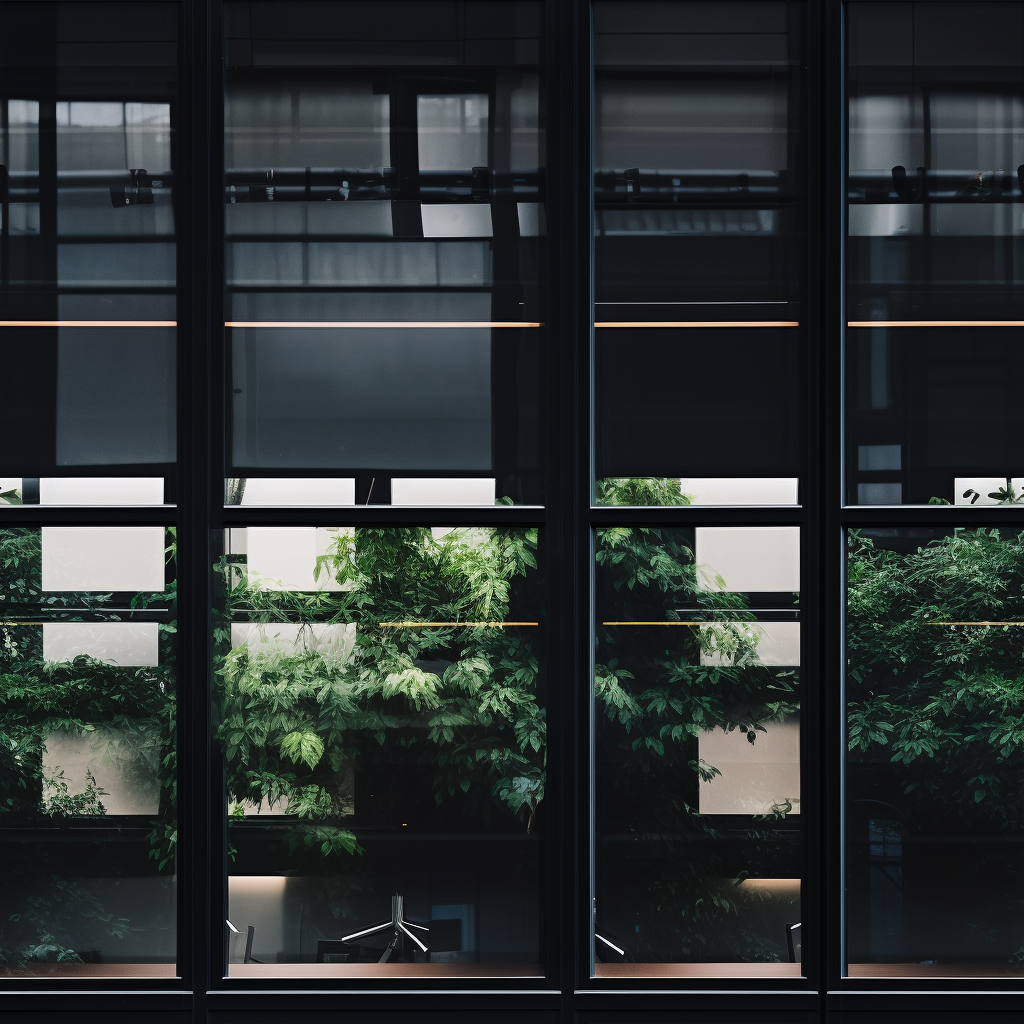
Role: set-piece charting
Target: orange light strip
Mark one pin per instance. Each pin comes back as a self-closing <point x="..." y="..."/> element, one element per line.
<point x="974" y="623"/>
<point x="88" y="323"/>
<point x="697" y="323"/>
<point x="436" y="625"/>
<point x="935" y="323"/>
<point x="380" y="323"/>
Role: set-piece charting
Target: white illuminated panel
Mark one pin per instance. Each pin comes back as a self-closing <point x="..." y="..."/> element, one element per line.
<point x="984" y="485"/>
<point x="741" y="490"/>
<point x="332" y="639"/>
<point x="113" y="759"/>
<point x="290" y="491"/>
<point x="748" y="558"/>
<point x="442" y="491"/>
<point x="457" y="221"/>
<point x="103" y="558"/>
<point x="777" y="643"/>
<point x="755" y="776"/>
<point x="284" y="557"/>
<point x="119" y="643"/>
<point x="102" y="490"/>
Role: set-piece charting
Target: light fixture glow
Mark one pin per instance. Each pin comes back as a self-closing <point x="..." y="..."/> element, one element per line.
<point x="478" y="324"/>
<point x="88" y="323"/>
<point x="698" y="323"/>
<point x="437" y="625"/>
<point x="935" y="323"/>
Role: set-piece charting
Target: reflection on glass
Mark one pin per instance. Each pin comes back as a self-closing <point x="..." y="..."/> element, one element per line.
<point x="384" y="241"/>
<point x="88" y="246"/>
<point x="933" y="774"/>
<point x="698" y="218"/>
<point x="87" y="769"/>
<point x="698" y="850"/>
<point x="383" y="727"/>
<point x="697" y="107"/>
<point x="936" y="100"/>
<point x="932" y="415"/>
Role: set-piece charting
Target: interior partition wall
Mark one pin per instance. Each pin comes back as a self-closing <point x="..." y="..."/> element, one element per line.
<point x="509" y="510"/>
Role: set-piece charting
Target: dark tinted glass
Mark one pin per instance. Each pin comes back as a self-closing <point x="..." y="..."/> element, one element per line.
<point x="698" y="836"/>
<point x="707" y="402"/>
<point x="698" y="190"/>
<point x="384" y="234"/>
<point x="384" y="733"/>
<point x="936" y="100"/>
<point x="934" y="772"/>
<point x="932" y="414"/>
<point x="88" y="769"/>
<point x="88" y="254"/>
<point x="697" y="114"/>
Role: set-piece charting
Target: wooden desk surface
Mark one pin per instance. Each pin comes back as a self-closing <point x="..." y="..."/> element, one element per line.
<point x="723" y="970"/>
<point x="897" y="971"/>
<point x="384" y="971"/>
<point x="91" y="971"/>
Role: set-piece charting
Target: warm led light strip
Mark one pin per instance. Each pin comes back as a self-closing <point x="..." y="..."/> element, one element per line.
<point x="974" y="623"/>
<point x="433" y="625"/>
<point x="935" y="323"/>
<point x="698" y="323"/>
<point x="380" y="323"/>
<point x="88" y="323"/>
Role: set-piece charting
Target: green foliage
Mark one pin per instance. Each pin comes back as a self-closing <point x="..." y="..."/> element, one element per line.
<point x="640" y="491"/>
<point x="128" y="712"/>
<point x="935" y="682"/>
<point x="428" y="676"/>
<point x="655" y="694"/>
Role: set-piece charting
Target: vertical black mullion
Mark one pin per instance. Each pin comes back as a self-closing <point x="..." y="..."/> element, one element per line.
<point x="831" y="492"/>
<point x="217" y="364"/>
<point x="582" y="298"/>
<point x="559" y="496"/>
<point x="194" y="805"/>
<point x="812" y="591"/>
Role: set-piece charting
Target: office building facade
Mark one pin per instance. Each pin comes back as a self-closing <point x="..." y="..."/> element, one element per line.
<point x="509" y="510"/>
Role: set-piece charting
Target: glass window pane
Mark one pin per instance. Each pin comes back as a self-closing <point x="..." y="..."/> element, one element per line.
<point x="384" y="736"/>
<point x="933" y="774"/>
<point x="698" y="225"/>
<point x="384" y="242"/>
<point x="932" y="414"/>
<point x="723" y="403"/>
<point x="88" y="250"/>
<point x="936" y="97"/>
<point x="88" y="774"/>
<point x="698" y="844"/>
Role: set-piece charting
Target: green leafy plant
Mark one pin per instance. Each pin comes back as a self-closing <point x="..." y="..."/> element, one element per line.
<point x="430" y="674"/>
<point x="690" y="666"/>
<point x="47" y="911"/>
<point x="935" y="712"/>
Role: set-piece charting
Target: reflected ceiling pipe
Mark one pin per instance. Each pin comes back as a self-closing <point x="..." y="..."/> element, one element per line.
<point x="347" y="184"/>
<point x="950" y="185"/>
<point x="658" y="185"/>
